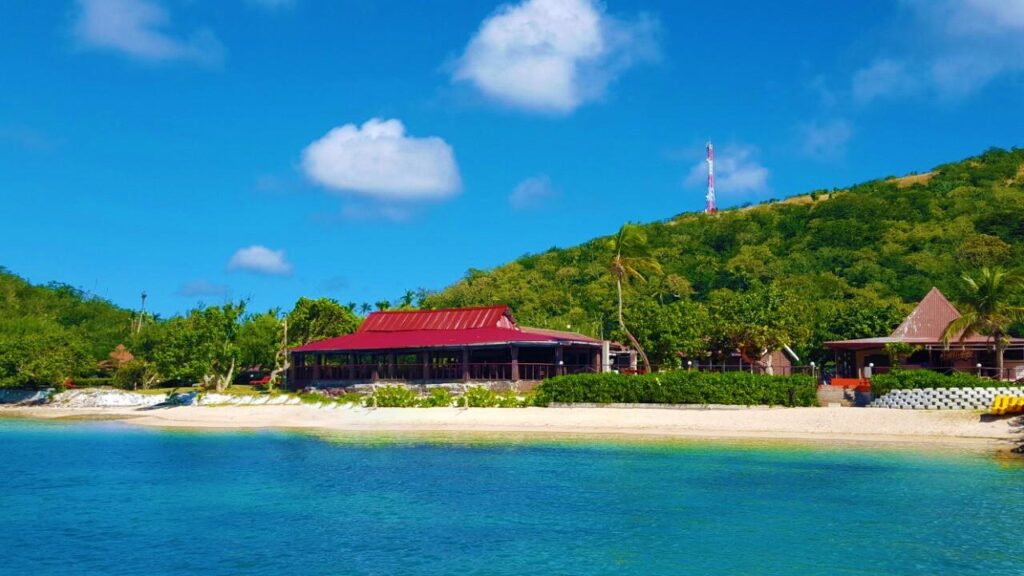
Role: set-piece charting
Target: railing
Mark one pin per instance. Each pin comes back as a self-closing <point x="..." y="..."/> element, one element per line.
<point x="445" y="372"/>
<point x="496" y="371"/>
<point x="754" y="368"/>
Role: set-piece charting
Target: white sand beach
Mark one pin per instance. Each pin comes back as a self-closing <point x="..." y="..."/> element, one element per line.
<point x="829" y="425"/>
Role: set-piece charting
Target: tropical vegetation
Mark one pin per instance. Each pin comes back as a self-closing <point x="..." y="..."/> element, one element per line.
<point x="833" y="264"/>
<point x="54" y="333"/>
<point x="988" y="307"/>
<point x="917" y="379"/>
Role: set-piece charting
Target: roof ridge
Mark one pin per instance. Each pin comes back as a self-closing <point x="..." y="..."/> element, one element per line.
<point x="439" y="319"/>
<point x="929" y="318"/>
<point x="429" y="310"/>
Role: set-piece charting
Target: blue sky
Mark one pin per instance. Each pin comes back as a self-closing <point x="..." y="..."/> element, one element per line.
<point x="267" y="149"/>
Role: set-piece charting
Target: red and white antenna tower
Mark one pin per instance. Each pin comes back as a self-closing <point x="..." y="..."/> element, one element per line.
<point x="710" y="208"/>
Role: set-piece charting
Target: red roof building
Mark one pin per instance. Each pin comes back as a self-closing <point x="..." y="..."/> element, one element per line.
<point x="483" y="343"/>
<point x="923" y="328"/>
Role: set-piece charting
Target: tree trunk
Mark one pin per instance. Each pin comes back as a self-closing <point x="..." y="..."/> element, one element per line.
<point x="629" y="335"/>
<point x="224" y="382"/>
<point x="282" y="359"/>
<point x="1000" y="349"/>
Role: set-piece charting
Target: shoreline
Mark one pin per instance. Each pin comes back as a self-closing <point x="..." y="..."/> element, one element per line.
<point x="816" y="426"/>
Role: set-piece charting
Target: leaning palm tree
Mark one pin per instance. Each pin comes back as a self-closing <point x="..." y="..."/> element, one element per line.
<point x="988" y="309"/>
<point x="630" y="260"/>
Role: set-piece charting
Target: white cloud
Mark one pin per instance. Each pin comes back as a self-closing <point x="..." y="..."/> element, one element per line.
<point x="261" y="260"/>
<point x="378" y="160"/>
<point x="552" y="55"/>
<point x="885" y="77"/>
<point x="138" y="28"/>
<point x="197" y="288"/>
<point x="824" y="140"/>
<point x="959" y="47"/>
<point x="738" y="174"/>
<point x="984" y="16"/>
<point x="532" y="193"/>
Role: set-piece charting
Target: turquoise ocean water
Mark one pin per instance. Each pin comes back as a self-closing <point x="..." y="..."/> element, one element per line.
<point x="101" y="498"/>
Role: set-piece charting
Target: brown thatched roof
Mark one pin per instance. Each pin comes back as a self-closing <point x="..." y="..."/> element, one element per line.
<point x="119" y="356"/>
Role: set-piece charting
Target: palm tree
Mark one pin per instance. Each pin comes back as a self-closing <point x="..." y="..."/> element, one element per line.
<point x="408" y="298"/>
<point x="630" y="261"/>
<point x="988" y="309"/>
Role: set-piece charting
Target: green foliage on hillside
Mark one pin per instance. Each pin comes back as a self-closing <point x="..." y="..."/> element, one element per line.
<point x="50" y="332"/>
<point x="841" y="264"/>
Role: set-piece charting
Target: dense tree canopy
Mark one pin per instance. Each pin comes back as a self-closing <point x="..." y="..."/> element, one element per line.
<point x="842" y="264"/>
<point x="48" y="333"/>
<point x="316" y="319"/>
<point x="51" y="333"/>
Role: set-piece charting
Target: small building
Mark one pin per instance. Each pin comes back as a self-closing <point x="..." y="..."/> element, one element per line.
<point x="776" y="362"/>
<point x="450" y="345"/>
<point x="923" y="330"/>
<point x="118" y="357"/>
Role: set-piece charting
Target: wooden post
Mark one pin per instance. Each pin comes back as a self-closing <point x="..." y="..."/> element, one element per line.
<point x="465" y="364"/>
<point x="597" y="360"/>
<point x="425" y="358"/>
<point x="559" y="362"/>
<point x="317" y="360"/>
<point x="375" y="369"/>
<point x="391" y="366"/>
<point x="353" y="359"/>
<point x="515" y="362"/>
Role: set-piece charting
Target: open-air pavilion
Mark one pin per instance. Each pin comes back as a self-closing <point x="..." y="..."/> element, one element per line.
<point x="922" y="329"/>
<point x="450" y="345"/>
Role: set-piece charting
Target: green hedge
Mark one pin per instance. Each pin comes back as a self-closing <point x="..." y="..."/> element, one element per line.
<point x="680" y="387"/>
<point x="913" y="379"/>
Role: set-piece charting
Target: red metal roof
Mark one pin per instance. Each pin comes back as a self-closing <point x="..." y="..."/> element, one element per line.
<point x="453" y="327"/>
<point x="445" y="319"/>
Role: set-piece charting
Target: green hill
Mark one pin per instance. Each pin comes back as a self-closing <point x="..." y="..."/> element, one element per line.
<point x="51" y="331"/>
<point x="830" y="264"/>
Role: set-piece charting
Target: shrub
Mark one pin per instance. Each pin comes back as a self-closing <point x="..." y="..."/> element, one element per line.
<point x="680" y="387"/>
<point x="313" y="398"/>
<point x="349" y="398"/>
<point x="480" y="397"/>
<point x="133" y="375"/>
<point x="392" y="397"/>
<point x="509" y="399"/>
<point x="438" y="398"/>
<point x="913" y="379"/>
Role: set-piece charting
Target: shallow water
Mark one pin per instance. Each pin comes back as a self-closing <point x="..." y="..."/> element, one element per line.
<point x="103" y="498"/>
